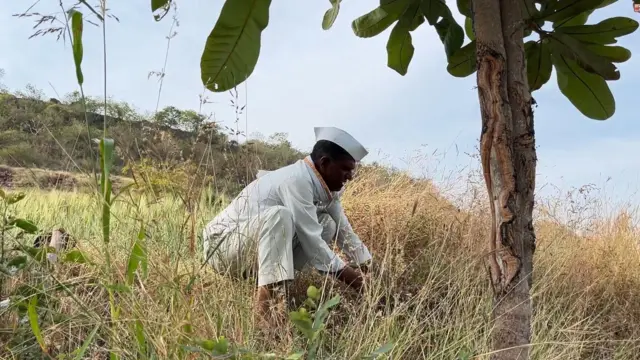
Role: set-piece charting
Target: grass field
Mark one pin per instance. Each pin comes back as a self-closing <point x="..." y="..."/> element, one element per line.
<point x="428" y="259"/>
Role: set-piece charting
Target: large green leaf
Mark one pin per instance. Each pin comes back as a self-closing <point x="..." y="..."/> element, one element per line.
<point x="163" y="5"/>
<point x="433" y="10"/>
<point x="26" y="225"/>
<point x="463" y="62"/>
<point x="331" y="14"/>
<point x="158" y="4"/>
<point x="617" y="54"/>
<point x="451" y="34"/>
<point x="399" y="46"/>
<point x="529" y="10"/>
<point x="418" y="20"/>
<point x="565" y="9"/>
<point x="379" y="19"/>
<point x="604" y="32"/>
<point x="577" y="51"/>
<point x="373" y="23"/>
<point x="76" y="33"/>
<point x="412" y="17"/>
<point x="233" y="46"/>
<point x="606" y="3"/>
<point x="576" y="20"/>
<point x="464" y="7"/>
<point x="539" y="64"/>
<point x="588" y="92"/>
<point x="395" y="6"/>
<point x="468" y="29"/>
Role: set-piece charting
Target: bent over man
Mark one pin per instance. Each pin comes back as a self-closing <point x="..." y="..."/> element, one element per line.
<point x="289" y="218"/>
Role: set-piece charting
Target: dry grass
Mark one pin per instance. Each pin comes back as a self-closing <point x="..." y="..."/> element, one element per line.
<point x="429" y="259"/>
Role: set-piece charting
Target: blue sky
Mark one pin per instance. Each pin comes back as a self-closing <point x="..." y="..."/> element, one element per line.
<point x="308" y="77"/>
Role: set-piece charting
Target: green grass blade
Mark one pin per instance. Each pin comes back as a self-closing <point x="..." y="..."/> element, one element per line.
<point x="80" y="352"/>
<point x="106" y="162"/>
<point x="33" y="321"/>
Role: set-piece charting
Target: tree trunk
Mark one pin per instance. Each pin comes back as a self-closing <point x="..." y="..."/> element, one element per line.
<point x="508" y="161"/>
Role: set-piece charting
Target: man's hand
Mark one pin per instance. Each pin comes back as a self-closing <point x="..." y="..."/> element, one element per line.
<point x="364" y="268"/>
<point x="351" y="277"/>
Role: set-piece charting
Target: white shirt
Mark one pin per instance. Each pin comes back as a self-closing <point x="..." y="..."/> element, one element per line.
<point x="297" y="188"/>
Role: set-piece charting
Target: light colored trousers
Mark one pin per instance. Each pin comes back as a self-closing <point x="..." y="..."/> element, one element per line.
<point x="272" y="234"/>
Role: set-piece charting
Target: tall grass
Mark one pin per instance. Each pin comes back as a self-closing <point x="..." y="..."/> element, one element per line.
<point x="428" y="263"/>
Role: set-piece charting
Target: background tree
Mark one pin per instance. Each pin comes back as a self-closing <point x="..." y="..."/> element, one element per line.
<point x="508" y="71"/>
<point x="187" y="120"/>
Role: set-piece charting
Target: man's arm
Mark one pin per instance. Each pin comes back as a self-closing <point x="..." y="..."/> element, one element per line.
<point x="297" y="196"/>
<point x="347" y="240"/>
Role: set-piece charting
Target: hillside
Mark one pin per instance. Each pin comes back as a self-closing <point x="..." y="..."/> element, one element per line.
<point x="56" y="135"/>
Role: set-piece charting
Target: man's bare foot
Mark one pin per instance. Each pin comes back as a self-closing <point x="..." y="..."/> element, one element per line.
<point x="270" y="311"/>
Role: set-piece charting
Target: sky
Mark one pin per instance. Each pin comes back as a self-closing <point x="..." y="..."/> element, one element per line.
<point x="308" y="77"/>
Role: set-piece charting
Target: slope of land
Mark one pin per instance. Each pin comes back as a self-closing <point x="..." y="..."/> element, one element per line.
<point x="51" y="135"/>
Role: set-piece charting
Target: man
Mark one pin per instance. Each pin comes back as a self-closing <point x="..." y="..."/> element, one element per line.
<point x="289" y="218"/>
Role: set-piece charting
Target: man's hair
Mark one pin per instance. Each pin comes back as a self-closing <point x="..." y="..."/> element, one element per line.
<point x="329" y="149"/>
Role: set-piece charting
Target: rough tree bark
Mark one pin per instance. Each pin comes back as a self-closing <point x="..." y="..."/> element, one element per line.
<point x="508" y="160"/>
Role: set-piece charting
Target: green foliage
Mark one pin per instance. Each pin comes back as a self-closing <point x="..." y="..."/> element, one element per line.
<point x="588" y="92"/>
<point x="33" y="322"/>
<point x="43" y="135"/>
<point x="311" y="323"/>
<point x="451" y="34"/>
<point x="160" y="5"/>
<point x="468" y="29"/>
<point x="79" y="353"/>
<point x="616" y="54"/>
<point x="605" y="32"/>
<point x="26" y="225"/>
<point x="76" y="32"/>
<point x="539" y="64"/>
<point x="374" y="22"/>
<point x="331" y="14"/>
<point x="76" y="256"/>
<point x="399" y="47"/>
<point x="560" y="10"/>
<point x="433" y="9"/>
<point x="575" y="50"/>
<point x="232" y="48"/>
<point x="12" y="198"/>
<point x="570" y="38"/>
<point x="138" y="257"/>
<point x="464" y="7"/>
<point x="187" y="120"/>
<point x="463" y="62"/>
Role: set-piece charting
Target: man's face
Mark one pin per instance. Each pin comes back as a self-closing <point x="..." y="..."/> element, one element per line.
<point x="336" y="172"/>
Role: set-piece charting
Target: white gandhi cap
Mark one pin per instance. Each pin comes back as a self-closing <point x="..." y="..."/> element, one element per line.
<point x="342" y="139"/>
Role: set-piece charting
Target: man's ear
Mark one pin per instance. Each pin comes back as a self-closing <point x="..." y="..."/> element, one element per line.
<point x="324" y="161"/>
